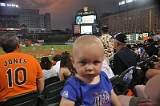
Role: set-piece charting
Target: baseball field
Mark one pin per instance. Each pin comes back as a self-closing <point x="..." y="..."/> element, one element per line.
<point x="40" y="51"/>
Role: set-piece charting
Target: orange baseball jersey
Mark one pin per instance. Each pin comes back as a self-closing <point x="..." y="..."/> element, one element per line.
<point x="18" y="74"/>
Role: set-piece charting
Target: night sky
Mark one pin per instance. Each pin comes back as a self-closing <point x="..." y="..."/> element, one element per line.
<point x="63" y="11"/>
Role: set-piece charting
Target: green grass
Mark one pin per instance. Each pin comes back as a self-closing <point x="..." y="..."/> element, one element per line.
<point x="48" y="47"/>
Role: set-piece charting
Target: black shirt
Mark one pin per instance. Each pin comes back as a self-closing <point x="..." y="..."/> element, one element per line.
<point x="151" y="50"/>
<point x="123" y="60"/>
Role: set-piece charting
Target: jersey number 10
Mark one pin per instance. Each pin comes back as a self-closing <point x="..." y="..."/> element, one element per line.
<point x="16" y="76"/>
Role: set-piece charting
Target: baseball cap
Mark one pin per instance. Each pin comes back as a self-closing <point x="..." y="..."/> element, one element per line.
<point x="45" y="60"/>
<point x="121" y="38"/>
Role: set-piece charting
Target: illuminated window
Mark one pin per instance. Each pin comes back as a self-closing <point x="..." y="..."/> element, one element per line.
<point x="2" y="4"/>
<point x="128" y="1"/>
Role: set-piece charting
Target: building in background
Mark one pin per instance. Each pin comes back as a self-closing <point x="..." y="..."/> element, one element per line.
<point x="23" y="21"/>
<point x="135" y="18"/>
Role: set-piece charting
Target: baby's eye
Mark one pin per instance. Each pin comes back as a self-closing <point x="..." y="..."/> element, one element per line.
<point x="96" y="62"/>
<point x="83" y="62"/>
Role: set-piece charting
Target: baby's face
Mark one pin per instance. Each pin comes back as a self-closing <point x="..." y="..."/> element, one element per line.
<point x="88" y="61"/>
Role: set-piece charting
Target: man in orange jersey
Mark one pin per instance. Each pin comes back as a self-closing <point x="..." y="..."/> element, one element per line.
<point x="19" y="73"/>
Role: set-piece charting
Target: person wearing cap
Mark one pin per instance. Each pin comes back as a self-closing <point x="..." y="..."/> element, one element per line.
<point x="124" y="58"/>
<point x="47" y="69"/>
<point x="107" y="42"/>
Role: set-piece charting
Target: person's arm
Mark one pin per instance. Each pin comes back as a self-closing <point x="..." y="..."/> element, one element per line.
<point x="61" y="74"/>
<point x="40" y="84"/>
<point x="39" y="77"/>
<point x="148" y="102"/>
<point x="114" y="99"/>
<point x="151" y="73"/>
<point x="66" y="102"/>
<point x="64" y="72"/>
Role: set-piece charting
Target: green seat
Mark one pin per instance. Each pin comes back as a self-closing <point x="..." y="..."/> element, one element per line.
<point x="114" y="80"/>
<point x="53" y="91"/>
<point x="141" y="64"/>
<point x="144" y="65"/>
<point x="54" y="104"/>
<point x="26" y="99"/>
<point x="51" y="80"/>
<point x="121" y="86"/>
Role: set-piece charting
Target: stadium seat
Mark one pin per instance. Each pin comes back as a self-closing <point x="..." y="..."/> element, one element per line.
<point x="144" y="65"/>
<point x="136" y="77"/>
<point x="54" y="104"/>
<point x="51" y="80"/>
<point x="114" y="80"/>
<point x="121" y="86"/>
<point x="53" y="92"/>
<point x="26" y="99"/>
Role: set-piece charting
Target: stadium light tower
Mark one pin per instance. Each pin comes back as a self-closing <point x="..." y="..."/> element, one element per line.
<point x="121" y="3"/>
<point x="129" y="1"/>
<point x="125" y="2"/>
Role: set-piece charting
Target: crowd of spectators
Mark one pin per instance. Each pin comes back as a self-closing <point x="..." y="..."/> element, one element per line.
<point x="86" y="63"/>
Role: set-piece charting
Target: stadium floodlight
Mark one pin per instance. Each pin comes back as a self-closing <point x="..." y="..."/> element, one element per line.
<point x="128" y="1"/>
<point x="2" y="4"/>
<point x="8" y="5"/>
<point x="121" y="3"/>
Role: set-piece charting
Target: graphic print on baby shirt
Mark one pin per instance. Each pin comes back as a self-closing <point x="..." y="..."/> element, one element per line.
<point x="100" y="98"/>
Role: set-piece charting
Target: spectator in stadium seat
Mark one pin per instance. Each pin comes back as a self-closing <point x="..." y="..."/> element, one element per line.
<point x="156" y="37"/>
<point x="124" y="58"/>
<point x="47" y="68"/>
<point x="154" y="70"/>
<point x="66" y="67"/>
<point x="151" y="48"/>
<point x="56" y="62"/>
<point x="19" y="73"/>
<point x="56" y="58"/>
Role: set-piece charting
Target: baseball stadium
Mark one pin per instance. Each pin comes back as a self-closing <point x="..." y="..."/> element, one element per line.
<point x="82" y="66"/>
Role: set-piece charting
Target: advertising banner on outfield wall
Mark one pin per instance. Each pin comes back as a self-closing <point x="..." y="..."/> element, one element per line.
<point x="2" y="29"/>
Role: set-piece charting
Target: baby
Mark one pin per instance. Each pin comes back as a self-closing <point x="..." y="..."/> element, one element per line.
<point x="90" y="86"/>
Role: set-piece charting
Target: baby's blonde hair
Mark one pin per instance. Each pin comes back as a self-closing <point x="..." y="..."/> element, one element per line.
<point x="87" y="41"/>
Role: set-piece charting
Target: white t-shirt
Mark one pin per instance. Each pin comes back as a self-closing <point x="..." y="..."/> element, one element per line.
<point x="105" y="67"/>
<point x="156" y="37"/>
<point x="57" y="67"/>
<point x="49" y="73"/>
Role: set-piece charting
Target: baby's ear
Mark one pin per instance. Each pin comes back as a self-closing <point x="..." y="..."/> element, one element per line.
<point x="72" y="60"/>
